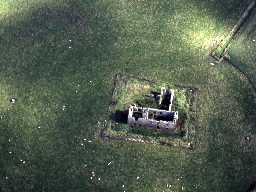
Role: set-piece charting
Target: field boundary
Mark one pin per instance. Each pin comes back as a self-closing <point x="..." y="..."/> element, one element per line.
<point x="106" y="132"/>
<point x="219" y="52"/>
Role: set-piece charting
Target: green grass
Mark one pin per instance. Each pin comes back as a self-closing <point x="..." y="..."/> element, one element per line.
<point x="242" y="49"/>
<point x="128" y="90"/>
<point x="160" y="40"/>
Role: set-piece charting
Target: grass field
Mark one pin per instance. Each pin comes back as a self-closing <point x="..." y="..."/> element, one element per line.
<point x="242" y="49"/>
<point x="58" y="58"/>
<point x="129" y="90"/>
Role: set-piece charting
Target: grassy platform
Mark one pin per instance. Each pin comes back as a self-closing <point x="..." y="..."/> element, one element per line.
<point x="129" y="90"/>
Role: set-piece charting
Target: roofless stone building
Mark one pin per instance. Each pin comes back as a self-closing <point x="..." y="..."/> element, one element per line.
<point x="163" y="118"/>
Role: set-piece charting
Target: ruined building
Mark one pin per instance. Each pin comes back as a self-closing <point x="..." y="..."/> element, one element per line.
<point x="163" y="119"/>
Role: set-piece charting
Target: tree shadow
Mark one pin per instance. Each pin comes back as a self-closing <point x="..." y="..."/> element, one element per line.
<point x="55" y="42"/>
<point x="55" y="50"/>
<point x="226" y="11"/>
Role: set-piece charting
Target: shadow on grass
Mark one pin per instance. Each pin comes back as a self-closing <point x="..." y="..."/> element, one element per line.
<point x="53" y="43"/>
<point x="247" y="100"/>
<point x="246" y="71"/>
<point x="56" y="48"/>
<point x="120" y="116"/>
<point x="225" y="166"/>
<point x="231" y="168"/>
<point x="231" y="9"/>
<point x="37" y="50"/>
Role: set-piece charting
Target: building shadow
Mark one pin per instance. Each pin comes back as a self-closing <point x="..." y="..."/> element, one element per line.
<point x="120" y="116"/>
<point x="252" y="187"/>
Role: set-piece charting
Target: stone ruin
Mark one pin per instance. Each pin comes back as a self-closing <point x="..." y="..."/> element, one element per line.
<point x="162" y="118"/>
